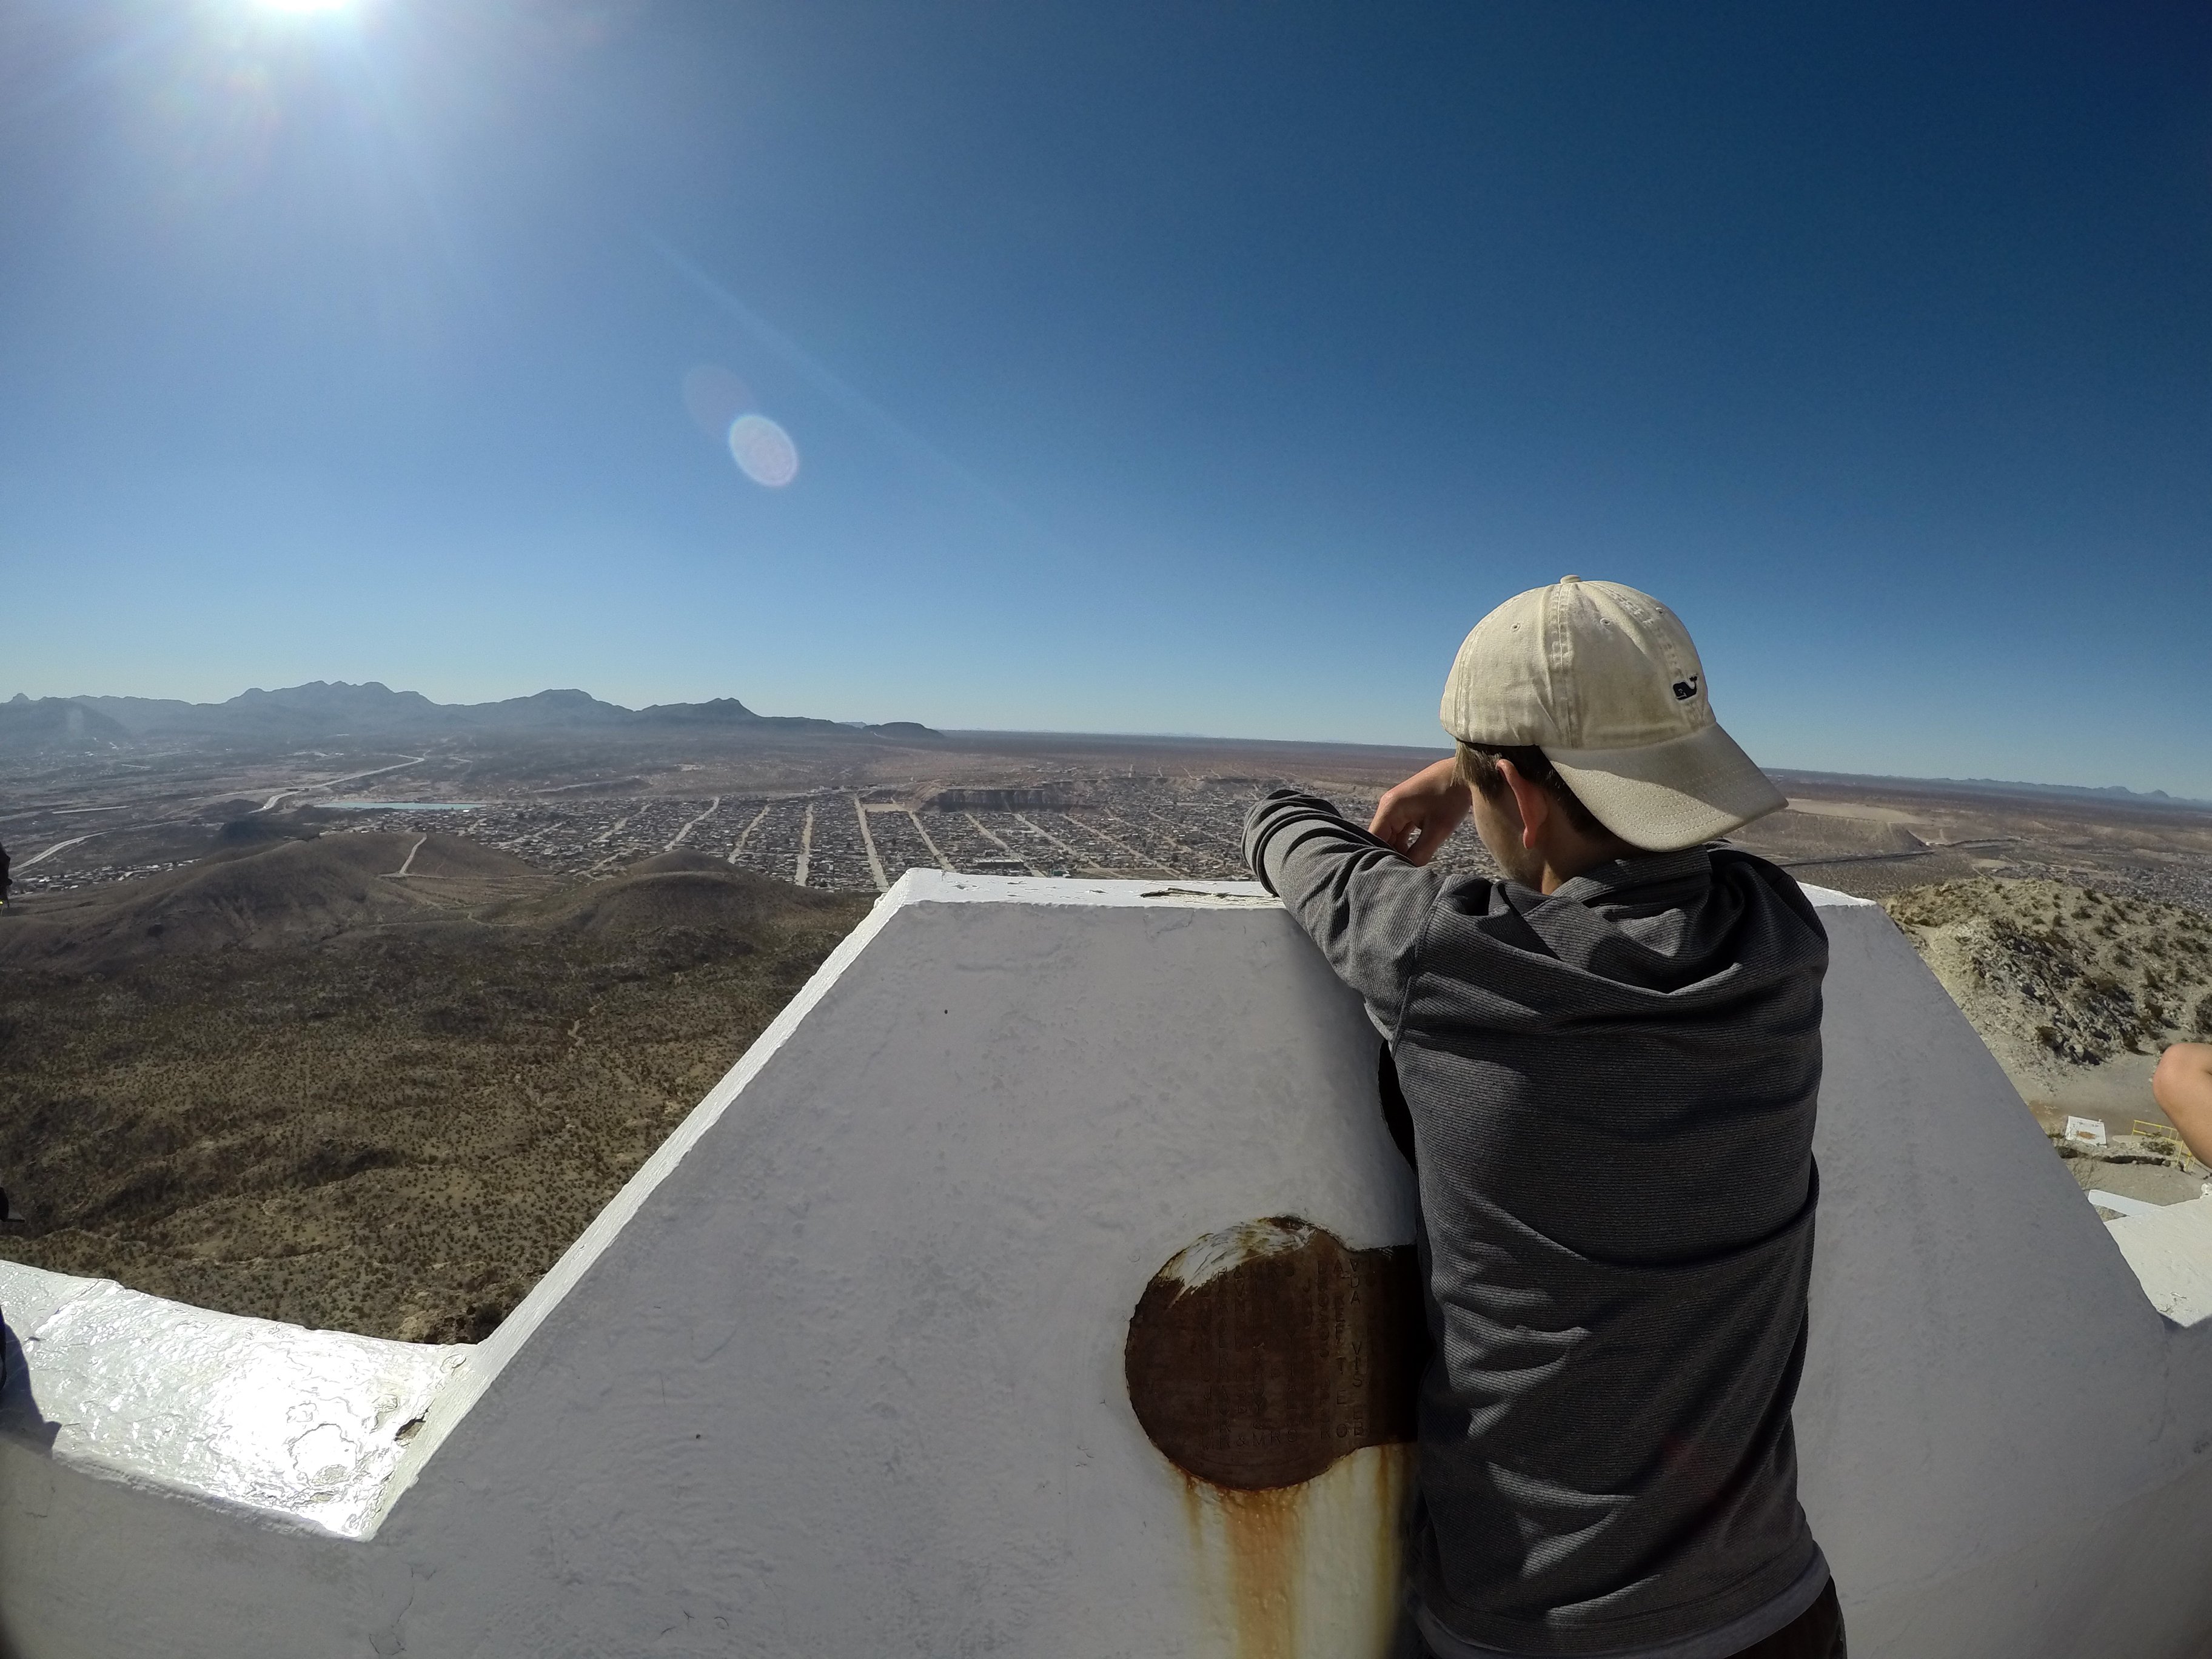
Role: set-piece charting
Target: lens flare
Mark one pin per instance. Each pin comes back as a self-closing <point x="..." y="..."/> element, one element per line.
<point x="763" y="451"/>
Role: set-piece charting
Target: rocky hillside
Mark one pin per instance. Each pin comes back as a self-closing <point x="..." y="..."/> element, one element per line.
<point x="2059" y="979"/>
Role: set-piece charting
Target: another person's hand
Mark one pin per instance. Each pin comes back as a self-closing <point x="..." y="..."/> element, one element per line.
<point x="2182" y="1085"/>
<point x="1417" y="816"/>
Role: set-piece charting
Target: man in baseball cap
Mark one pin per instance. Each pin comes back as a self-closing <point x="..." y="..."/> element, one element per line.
<point x="1603" y="1068"/>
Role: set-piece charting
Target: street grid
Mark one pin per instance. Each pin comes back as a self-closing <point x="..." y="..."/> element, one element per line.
<point x="75" y="826"/>
<point x="1122" y="827"/>
<point x="1131" y="829"/>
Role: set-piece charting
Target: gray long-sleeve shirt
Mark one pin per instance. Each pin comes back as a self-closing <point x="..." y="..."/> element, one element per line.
<point x="1612" y="1090"/>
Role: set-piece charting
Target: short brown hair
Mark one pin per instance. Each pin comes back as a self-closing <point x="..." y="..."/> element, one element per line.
<point x="1478" y="769"/>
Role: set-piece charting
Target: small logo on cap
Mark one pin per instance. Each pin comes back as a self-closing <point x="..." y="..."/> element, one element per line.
<point x="1686" y="689"/>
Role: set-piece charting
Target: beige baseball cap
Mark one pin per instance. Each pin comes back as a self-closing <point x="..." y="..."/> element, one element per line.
<point x="1605" y="681"/>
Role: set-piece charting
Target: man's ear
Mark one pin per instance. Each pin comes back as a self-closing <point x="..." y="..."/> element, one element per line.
<point x="1534" y="805"/>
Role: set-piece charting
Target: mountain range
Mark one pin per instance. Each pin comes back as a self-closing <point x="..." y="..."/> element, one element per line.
<point x="2107" y="793"/>
<point x="325" y="709"/>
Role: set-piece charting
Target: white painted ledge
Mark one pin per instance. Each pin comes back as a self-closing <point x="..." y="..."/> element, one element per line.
<point x="286" y="1423"/>
<point x="2170" y="1248"/>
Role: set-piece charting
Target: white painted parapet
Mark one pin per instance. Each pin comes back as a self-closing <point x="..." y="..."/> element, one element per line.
<point x="845" y="1367"/>
<point x="308" y="1426"/>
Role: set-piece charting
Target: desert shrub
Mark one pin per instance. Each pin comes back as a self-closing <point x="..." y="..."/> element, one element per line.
<point x="454" y="1019"/>
<point x="331" y="1162"/>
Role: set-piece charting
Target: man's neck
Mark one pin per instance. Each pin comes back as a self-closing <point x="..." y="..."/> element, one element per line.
<point x="1577" y="856"/>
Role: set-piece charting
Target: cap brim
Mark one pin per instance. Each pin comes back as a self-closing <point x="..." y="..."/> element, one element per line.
<point x="1665" y="796"/>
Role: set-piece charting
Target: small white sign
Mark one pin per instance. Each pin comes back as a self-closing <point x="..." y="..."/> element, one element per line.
<point x="2089" y="1131"/>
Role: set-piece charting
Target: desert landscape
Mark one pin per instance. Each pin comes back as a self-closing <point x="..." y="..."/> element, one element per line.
<point x="359" y="1029"/>
<point x="288" y="1081"/>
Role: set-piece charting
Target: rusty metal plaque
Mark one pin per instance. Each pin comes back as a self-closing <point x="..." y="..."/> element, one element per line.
<point x="1263" y="1353"/>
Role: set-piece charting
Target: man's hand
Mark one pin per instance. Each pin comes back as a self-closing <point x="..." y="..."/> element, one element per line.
<point x="2182" y="1085"/>
<point x="1415" y="818"/>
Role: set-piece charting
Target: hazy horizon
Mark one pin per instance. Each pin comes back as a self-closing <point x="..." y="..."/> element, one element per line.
<point x="1193" y="735"/>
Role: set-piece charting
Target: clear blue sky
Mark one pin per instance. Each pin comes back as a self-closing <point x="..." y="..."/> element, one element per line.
<point x="1193" y="368"/>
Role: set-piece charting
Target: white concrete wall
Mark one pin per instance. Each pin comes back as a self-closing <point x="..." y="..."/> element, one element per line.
<point x="840" y="1371"/>
<point x="2004" y="1445"/>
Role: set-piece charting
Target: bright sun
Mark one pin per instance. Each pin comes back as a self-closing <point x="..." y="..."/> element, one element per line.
<point x="304" y="7"/>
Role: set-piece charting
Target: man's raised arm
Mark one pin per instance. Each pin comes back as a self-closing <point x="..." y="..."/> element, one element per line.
<point x="1365" y="905"/>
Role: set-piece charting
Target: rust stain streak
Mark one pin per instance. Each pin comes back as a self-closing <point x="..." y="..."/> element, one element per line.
<point x="1267" y="1534"/>
<point x="1262" y="1537"/>
<point x="1393" y="1477"/>
<point x="1200" y="1504"/>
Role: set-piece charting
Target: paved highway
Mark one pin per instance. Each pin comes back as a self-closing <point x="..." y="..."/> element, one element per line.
<point x="351" y="777"/>
<point x="40" y="858"/>
<point x="713" y="807"/>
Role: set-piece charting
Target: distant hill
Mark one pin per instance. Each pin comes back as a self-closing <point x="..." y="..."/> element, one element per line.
<point x="274" y="886"/>
<point x="258" y="897"/>
<point x="2110" y="794"/>
<point x="671" y="895"/>
<point x="324" y="709"/>
<point x="721" y="711"/>
<point x="61" y="725"/>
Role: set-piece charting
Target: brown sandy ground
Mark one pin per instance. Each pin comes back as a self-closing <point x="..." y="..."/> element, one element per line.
<point x="292" y="1083"/>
